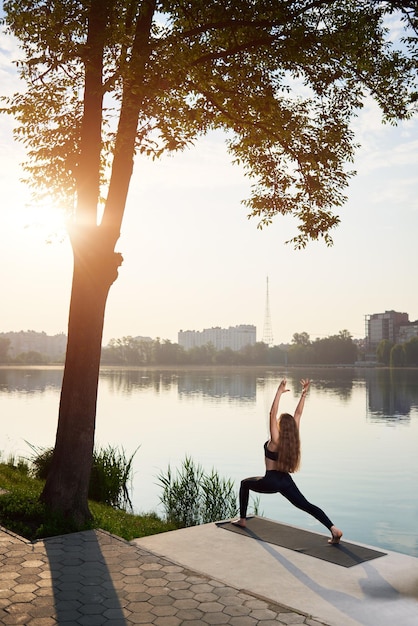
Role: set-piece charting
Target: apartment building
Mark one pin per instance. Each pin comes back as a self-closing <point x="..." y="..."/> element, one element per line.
<point x="385" y="325"/>
<point x="234" y="337"/>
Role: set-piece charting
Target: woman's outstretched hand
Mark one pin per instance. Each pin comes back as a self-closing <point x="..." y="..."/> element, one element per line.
<point x="282" y="386"/>
<point x="305" y="382"/>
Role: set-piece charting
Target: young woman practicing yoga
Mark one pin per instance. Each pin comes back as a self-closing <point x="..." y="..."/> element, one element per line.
<point x="282" y="456"/>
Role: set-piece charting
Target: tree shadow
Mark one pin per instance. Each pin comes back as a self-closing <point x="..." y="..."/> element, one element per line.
<point x="81" y="581"/>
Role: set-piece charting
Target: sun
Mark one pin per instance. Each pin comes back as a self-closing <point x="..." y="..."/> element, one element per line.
<point x="45" y="222"/>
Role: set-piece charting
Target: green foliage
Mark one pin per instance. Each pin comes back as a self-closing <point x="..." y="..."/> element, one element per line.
<point x="125" y="524"/>
<point x="21" y="465"/>
<point x="22" y="513"/>
<point x="404" y="354"/>
<point x="182" y="494"/>
<point x="137" y="352"/>
<point x="283" y="79"/>
<point x="219" y="499"/>
<point x="193" y="497"/>
<point x="332" y="350"/>
<point x="383" y="351"/>
<point x="335" y="349"/>
<point x="397" y="355"/>
<point x="110" y="474"/>
<point x="41" y="462"/>
<point x="411" y="352"/>
<point x="301" y="339"/>
<point x="32" y="357"/>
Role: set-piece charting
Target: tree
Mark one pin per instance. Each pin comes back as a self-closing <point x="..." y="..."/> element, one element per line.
<point x="411" y="352"/>
<point x="169" y="353"/>
<point x="4" y="349"/>
<point x="397" y="355"/>
<point x="301" y="339"/>
<point x="383" y="351"/>
<point x="109" y="78"/>
<point x="335" y="349"/>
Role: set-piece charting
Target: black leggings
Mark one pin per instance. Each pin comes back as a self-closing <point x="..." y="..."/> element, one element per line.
<point x="279" y="482"/>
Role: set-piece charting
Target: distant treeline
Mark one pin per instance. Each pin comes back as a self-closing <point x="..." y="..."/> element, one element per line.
<point x="338" y="349"/>
<point x="398" y="354"/>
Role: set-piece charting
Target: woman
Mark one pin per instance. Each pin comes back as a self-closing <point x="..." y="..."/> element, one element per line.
<point x="282" y="456"/>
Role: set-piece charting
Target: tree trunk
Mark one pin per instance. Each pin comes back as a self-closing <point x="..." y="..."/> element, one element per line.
<point x="95" y="269"/>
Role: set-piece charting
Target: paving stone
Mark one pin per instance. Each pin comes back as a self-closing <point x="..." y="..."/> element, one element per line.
<point x="206" y="597"/>
<point x="211" y="607"/>
<point x="236" y="610"/>
<point x="167" y="621"/>
<point x="216" y="618"/>
<point x="164" y="610"/>
<point x="23" y="597"/>
<point x="186" y="603"/>
<point x="243" y="621"/>
<point x="263" y="614"/>
<point x="291" y="618"/>
<point x="95" y="579"/>
<point x="161" y="600"/>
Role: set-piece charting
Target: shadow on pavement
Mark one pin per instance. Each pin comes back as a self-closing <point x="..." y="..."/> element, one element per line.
<point x="81" y="581"/>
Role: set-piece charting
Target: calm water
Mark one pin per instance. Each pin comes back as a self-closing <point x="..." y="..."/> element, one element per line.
<point x="359" y="436"/>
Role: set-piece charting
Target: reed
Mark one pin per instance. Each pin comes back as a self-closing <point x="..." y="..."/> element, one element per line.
<point x="193" y="497"/>
<point x="111" y="474"/>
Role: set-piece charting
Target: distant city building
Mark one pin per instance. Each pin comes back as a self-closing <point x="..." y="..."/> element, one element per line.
<point x="408" y="332"/>
<point x="385" y="325"/>
<point x="234" y="337"/>
<point x="52" y="346"/>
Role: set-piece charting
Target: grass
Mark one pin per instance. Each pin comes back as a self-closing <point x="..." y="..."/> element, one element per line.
<point x="22" y="513"/>
<point x="192" y="497"/>
<point x="110" y="473"/>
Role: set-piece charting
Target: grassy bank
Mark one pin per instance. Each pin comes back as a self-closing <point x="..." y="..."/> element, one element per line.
<point x="22" y="513"/>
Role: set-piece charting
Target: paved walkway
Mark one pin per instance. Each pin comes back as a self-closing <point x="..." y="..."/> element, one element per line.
<point x="94" y="578"/>
<point x="380" y="592"/>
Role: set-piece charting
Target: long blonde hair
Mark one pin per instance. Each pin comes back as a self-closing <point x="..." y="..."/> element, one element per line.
<point x="289" y="444"/>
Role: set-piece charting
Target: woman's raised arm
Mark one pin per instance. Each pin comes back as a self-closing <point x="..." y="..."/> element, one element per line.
<point x="274" y="431"/>
<point x="299" y="409"/>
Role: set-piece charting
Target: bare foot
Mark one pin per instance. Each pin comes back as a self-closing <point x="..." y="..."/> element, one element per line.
<point x="336" y="535"/>
<point x="240" y="522"/>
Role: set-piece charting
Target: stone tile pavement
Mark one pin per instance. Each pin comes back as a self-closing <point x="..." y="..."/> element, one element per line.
<point x="93" y="578"/>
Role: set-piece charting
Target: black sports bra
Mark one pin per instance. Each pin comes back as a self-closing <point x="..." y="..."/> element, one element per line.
<point x="273" y="456"/>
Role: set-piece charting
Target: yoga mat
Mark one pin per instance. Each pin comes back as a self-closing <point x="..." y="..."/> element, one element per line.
<point x="303" y="541"/>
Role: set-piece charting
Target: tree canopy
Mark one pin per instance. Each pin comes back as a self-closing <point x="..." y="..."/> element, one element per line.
<point x="283" y="79"/>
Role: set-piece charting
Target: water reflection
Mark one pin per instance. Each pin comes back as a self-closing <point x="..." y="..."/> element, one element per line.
<point x="372" y="498"/>
<point x="335" y="381"/>
<point x="391" y="394"/>
<point x="29" y="380"/>
<point x="204" y="383"/>
<point x="127" y="382"/>
<point x="235" y="386"/>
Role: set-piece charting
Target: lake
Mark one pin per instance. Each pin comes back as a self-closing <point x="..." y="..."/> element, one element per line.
<point x="359" y="435"/>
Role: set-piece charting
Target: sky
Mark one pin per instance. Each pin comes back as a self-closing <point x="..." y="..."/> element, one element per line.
<point x="192" y="259"/>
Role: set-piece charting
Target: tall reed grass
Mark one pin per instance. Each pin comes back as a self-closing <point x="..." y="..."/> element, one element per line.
<point x="110" y="479"/>
<point x="193" y="497"/>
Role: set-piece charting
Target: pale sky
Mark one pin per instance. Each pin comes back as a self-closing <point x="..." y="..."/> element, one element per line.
<point x="192" y="259"/>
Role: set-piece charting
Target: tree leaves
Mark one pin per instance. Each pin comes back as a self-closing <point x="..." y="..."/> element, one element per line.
<point x="283" y="80"/>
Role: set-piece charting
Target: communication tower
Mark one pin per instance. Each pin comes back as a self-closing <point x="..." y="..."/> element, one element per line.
<point x="267" y="331"/>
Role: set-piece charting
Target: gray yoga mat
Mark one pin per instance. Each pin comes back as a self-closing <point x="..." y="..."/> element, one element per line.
<point x="304" y="541"/>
